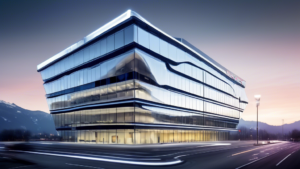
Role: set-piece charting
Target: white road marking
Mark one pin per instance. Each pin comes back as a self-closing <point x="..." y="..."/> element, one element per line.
<point x="246" y="151"/>
<point x="215" y="144"/>
<point x="189" y="151"/>
<point x="284" y="159"/>
<point x="83" y="166"/>
<point x="95" y="155"/>
<point x="258" y="160"/>
<point x="45" y="143"/>
<point x="255" y="161"/>
<point x="201" y="152"/>
<point x="106" y="159"/>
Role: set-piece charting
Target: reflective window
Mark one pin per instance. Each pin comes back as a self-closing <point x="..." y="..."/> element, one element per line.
<point x="103" y="46"/>
<point x="149" y="68"/>
<point x="119" y="39"/>
<point x="154" y="43"/>
<point x="86" y="54"/>
<point x="141" y="136"/>
<point x="163" y="48"/>
<point x="144" y="114"/>
<point x="91" y="51"/>
<point x="97" y="49"/>
<point x="116" y="91"/>
<point x="172" y="52"/>
<point x="169" y="51"/>
<point x="110" y="43"/>
<point x="128" y="34"/>
<point x="93" y="117"/>
<point x="143" y="37"/>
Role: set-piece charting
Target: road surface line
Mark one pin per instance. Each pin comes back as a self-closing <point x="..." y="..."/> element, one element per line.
<point x="44" y="143"/>
<point x="245" y="151"/>
<point x="249" y="151"/>
<point x="106" y="159"/>
<point x="97" y="155"/>
<point x="83" y="166"/>
<point x="180" y="152"/>
<point x="203" y="152"/>
<point x="284" y="158"/>
<point x="255" y="160"/>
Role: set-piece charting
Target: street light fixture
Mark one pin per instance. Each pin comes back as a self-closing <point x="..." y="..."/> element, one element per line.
<point x="282" y="129"/>
<point x="257" y="98"/>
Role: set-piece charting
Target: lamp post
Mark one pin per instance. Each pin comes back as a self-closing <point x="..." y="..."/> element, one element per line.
<point x="282" y="129"/>
<point x="257" y="98"/>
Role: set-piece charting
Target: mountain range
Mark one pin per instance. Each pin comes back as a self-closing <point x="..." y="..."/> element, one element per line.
<point x="15" y="117"/>
<point x="269" y="128"/>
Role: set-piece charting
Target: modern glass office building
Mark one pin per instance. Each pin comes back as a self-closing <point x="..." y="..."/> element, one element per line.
<point x="130" y="83"/>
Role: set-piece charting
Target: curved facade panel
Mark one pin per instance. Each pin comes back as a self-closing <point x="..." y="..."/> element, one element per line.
<point x="132" y="87"/>
<point x="93" y="51"/>
<point x="116" y="66"/>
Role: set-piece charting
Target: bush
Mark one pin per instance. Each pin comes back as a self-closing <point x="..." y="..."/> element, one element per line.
<point x="295" y="134"/>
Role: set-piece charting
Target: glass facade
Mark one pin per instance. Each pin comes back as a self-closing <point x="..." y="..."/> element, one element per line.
<point x="141" y="136"/>
<point x="132" y="87"/>
<point x="138" y="114"/>
<point x="97" y="49"/>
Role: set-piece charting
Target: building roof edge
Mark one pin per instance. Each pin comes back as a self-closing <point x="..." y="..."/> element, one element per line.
<point x="118" y="20"/>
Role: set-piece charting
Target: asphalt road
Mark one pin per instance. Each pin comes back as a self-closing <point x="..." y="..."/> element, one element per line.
<point x="206" y="155"/>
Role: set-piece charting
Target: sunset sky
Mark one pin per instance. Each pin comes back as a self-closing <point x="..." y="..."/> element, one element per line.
<point x="258" y="41"/>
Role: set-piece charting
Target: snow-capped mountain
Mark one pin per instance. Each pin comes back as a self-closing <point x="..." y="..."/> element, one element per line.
<point x="15" y="117"/>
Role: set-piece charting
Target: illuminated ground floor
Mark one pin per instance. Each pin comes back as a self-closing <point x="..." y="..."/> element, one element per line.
<point x="141" y="136"/>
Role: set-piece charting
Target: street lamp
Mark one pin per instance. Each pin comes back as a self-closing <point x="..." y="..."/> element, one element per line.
<point x="257" y="98"/>
<point x="282" y="129"/>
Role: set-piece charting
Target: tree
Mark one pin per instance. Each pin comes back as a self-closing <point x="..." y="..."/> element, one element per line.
<point x="295" y="134"/>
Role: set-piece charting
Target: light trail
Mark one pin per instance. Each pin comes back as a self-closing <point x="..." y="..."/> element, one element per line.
<point x="245" y="151"/>
<point x="107" y="159"/>
<point x="83" y="166"/>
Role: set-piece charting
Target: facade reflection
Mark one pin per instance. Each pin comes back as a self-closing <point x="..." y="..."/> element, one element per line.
<point x="132" y="85"/>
